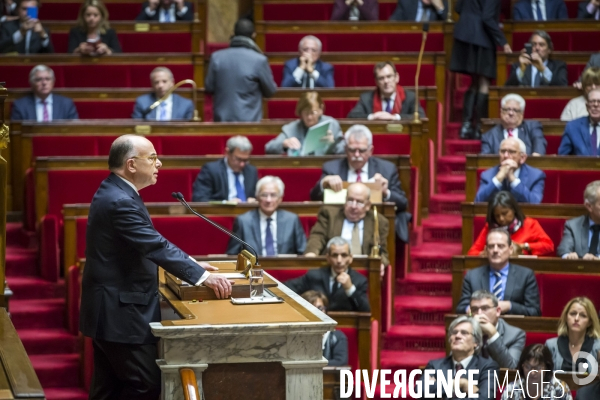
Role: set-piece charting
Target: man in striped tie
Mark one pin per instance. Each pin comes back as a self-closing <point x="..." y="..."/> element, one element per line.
<point x="514" y="286"/>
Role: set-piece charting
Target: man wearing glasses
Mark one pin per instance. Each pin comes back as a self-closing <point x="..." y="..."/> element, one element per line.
<point x="269" y="230"/>
<point x="360" y="166"/>
<point x="525" y="183"/>
<point x="231" y="179"/>
<point x="582" y="135"/>
<point x="307" y="70"/>
<point x="514" y="286"/>
<point x="512" y="125"/>
<point x="345" y="288"/>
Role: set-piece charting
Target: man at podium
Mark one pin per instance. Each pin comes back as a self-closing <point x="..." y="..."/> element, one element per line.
<point x="119" y="296"/>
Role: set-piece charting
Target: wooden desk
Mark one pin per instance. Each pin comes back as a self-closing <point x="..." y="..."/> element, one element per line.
<point x="553" y="92"/>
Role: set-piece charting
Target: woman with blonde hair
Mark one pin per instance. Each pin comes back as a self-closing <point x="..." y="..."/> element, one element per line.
<point x="93" y="34"/>
<point x="578" y="331"/>
<point x="310" y="109"/>
<point x="575" y="108"/>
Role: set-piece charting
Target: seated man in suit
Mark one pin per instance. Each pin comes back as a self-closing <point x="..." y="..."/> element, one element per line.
<point x="166" y="11"/>
<point x="355" y="222"/>
<point x="307" y="70"/>
<point x="465" y="338"/>
<point x="335" y="343"/>
<point x="581" y="136"/>
<point x="589" y="9"/>
<point x="502" y="342"/>
<point x="8" y="10"/>
<point x="230" y="179"/>
<point x="420" y="10"/>
<point x="360" y="166"/>
<point x="42" y="105"/>
<point x="269" y="230"/>
<point x="512" y="125"/>
<point x="536" y="69"/>
<point x="345" y="288"/>
<point x="525" y="183"/>
<point x="355" y="10"/>
<point x="581" y="234"/>
<point x="514" y="286"/>
<point x="174" y="107"/>
<point x="535" y="10"/>
<point x="389" y="101"/>
<point x="25" y="35"/>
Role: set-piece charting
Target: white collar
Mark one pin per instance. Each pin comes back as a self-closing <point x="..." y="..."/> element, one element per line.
<point x="129" y="183"/>
<point x="39" y="101"/>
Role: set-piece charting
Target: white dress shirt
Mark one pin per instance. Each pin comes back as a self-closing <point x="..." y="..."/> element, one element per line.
<point x="39" y="108"/>
<point x="18" y="36"/>
<point x="542" y="8"/>
<point x="465" y="362"/>
<point x="546" y="74"/>
<point x="364" y="173"/>
<point x="515" y="133"/>
<point x="231" y="181"/>
<point x="349" y="226"/>
<point x="168" y="106"/>
<point x="333" y="281"/>
<point x="384" y="104"/>
<point x="263" y="231"/>
<point x="298" y="75"/>
<point x="513" y="184"/>
<point x="171" y="12"/>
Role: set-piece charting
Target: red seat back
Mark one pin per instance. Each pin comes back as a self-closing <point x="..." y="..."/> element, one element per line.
<point x="557" y="289"/>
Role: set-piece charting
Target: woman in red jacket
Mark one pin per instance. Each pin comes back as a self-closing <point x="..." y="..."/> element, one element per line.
<point x="526" y="233"/>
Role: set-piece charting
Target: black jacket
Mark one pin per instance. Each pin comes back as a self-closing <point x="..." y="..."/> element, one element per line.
<point x="364" y="107"/>
<point x="530" y="132"/>
<point x="7" y="45"/>
<point x="559" y="75"/>
<point x="406" y="10"/>
<point x="78" y="36"/>
<point x="336" y="349"/>
<point x="478" y="23"/>
<point x="211" y="184"/>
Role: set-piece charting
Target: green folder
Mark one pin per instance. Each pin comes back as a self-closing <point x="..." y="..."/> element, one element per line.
<point x="314" y="142"/>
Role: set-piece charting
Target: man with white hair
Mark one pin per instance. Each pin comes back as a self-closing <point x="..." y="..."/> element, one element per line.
<point x="360" y="166"/>
<point x="42" y="105"/>
<point x="269" y="230"/>
<point x="174" y="107"/>
<point x="525" y="183"/>
<point x="512" y="109"/>
<point x="307" y="70"/>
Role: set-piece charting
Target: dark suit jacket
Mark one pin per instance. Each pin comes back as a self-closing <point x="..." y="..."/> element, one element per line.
<point x="8" y="28"/>
<point x="336" y="349"/>
<point x="478" y="23"/>
<point x="530" y="190"/>
<point x="291" y="238"/>
<point x="530" y="132"/>
<point x="62" y="108"/>
<point x="555" y="9"/>
<point x="576" y="138"/>
<point x="506" y="350"/>
<point x="376" y="165"/>
<point x="521" y="289"/>
<point x="78" y="36"/>
<point x="575" y="237"/>
<point x="369" y="11"/>
<point x="211" y="184"/>
<point x="484" y="366"/>
<point x="325" y="74"/>
<point x="406" y="10"/>
<point x="119" y="290"/>
<point x="318" y="279"/>
<point x="188" y="16"/>
<point x="582" y="12"/>
<point x="559" y="75"/>
<point x="330" y="222"/>
<point x="364" y="107"/>
<point x="182" y="108"/>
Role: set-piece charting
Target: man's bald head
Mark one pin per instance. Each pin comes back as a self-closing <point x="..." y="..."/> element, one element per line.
<point x="121" y="149"/>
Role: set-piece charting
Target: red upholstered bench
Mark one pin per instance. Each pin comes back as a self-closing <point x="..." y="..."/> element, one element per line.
<point x="334" y="42"/>
<point x="68" y="11"/>
<point x="538" y="337"/>
<point x="313" y="11"/>
<point x="552" y="226"/>
<point x="553" y="144"/>
<point x="557" y="289"/>
<point x="563" y="40"/>
<point x="138" y="42"/>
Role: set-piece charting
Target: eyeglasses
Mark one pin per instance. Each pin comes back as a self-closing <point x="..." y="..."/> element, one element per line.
<point x="356" y="203"/>
<point x="462" y="332"/>
<point x="509" y="109"/>
<point x="529" y="367"/>
<point x="361" y="151"/>
<point x="594" y="102"/>
<point x="152" y="158"/>
<point x="336" y="255"/>
<point x="309" y="49"/>
<point x="267" y="195"/>
<point x="475" y="310"/>
<point x="509" y="151"/>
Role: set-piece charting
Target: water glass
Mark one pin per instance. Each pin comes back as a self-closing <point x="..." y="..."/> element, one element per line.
<point x="256" y="284"/>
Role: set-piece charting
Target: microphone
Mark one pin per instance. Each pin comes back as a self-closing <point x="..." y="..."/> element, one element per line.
<point x="179" y="197"/>
<point x="416" y="117"/>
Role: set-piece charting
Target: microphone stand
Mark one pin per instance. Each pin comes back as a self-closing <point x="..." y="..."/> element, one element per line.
<point x="253" y="258"/>
<point x="416" y="118"/>
<point x="170" y="91"/>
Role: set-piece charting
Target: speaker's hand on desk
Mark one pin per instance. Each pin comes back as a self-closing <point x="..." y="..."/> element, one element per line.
<point x="220" y="284"/>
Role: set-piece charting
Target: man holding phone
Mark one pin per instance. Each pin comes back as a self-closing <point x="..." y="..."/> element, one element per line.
<point x="25" y="35"/>
<point x="534" y="68"/>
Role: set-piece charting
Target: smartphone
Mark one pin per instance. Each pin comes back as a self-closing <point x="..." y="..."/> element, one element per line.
<point x="528" y="48"/>
<point x="32" y="12"/>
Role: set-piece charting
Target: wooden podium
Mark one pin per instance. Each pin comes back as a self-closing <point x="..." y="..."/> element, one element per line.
<point x="252" y="351"/>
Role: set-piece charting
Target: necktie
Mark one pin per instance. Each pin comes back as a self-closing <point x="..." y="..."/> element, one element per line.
<point x="536" y="77"/>
<point x="356" y="248"/>
<point x="358" y="172"/>
<point x="167" y="16"/>
<point x="239" y="188"/>
<point x="162" y="116"/>
<point x="269" y="245"/>
<point x="510" y="132"/>
<point x="497" y="289"/>
<point x="45" y="115"/>
<point x="388" y="108"/>
<point x="484" y="350"/>
<point x="594" y="140"/>
<point x="538" y="11"/>
<point x="595" y="238"/>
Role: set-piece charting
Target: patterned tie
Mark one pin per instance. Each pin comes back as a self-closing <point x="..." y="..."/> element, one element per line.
<point x="388" y="108"/>
<point x="538" y="11"/>
<point x="594" y="141"/>
<point x="162" y="116"/>
<point x="595" y="239"/>
<point x="239" y="188"/>
<point x="510" y="132"/>
<point x="355" y="242"/>
<point x="358" y="172"/>
<point x="497" y="289"/>
<point x="45" y="115"/>
<point x="269" y="245"/>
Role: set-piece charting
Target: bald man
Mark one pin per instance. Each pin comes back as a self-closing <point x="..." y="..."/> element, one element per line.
<point x="119" y="290"/>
